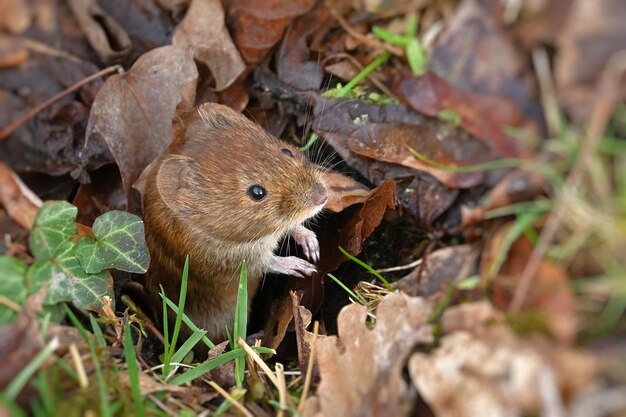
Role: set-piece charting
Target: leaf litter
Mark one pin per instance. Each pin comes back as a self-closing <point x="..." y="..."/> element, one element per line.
<point x="441" y="180"/>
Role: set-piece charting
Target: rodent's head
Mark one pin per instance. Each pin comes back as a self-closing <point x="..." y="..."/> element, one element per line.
<point x="233" y="180"/>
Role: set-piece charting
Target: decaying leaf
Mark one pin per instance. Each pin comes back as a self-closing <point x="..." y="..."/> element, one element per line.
<point x="21" y="340"/>
<point x="361" y="369"/>
<point x="259" y="25"/>
<point x="15" y="16"/>
<point x="204" y="32"/>
<point x="482" y="368"/>
<point x="551" y="294"/>
<point x="343" y="191"/>
<point x="18" y="200"/>
<point x="105" y="34"/>
<point x="447" y="266"/>
<point x="133" y="112"/>
<point x="481" y="115"/>
<point x="593" y="33"/>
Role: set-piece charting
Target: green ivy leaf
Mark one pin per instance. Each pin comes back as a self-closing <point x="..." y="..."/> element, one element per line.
<point x="54" y="225"/>
<point x="119" y="243"/>
<point x="68" y="281"/>
<point x="12" y="286"/>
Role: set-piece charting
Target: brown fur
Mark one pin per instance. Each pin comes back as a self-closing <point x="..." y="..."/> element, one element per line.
<point x="196" y="203"/>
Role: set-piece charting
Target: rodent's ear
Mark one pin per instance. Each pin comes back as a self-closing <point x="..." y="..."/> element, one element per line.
<point x="175" y="182"/>
<point x="218" y="116"/>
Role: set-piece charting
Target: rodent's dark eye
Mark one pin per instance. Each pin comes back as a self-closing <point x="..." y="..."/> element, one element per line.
<point x="287" y="152"/>
<point x="256" y="192"/>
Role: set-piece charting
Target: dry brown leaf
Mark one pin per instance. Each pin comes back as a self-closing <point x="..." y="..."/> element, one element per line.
<point x="443" y="267"/>
<point x="148" y="386"/>
<point x="15" y="16"/>
<point x="343" y="191"/>
<point x="12" y="52"/>
<point x="594" y="31"/>
<point x="551" y="294"/>
<point x="483" y="369"/>
<point x="204" y="32"/>
<point x="106" y="36"/>
<point x="18" y="200"/>
<point x="133" y="112"/>
<point x="21" y="340"/>
<point x="361" y="369"/>
<point x="259" y="25"/>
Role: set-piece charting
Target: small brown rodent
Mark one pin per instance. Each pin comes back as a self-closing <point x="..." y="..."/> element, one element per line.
<point x="227" y="192"/>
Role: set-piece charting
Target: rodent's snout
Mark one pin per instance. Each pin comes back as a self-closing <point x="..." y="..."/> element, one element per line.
<point x="319" y="195"/>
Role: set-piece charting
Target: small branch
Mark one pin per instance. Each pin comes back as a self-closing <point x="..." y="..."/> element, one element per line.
<point x="309" y="369"/>
<point x="4" y="133"/>
<point x="230" y="399"/>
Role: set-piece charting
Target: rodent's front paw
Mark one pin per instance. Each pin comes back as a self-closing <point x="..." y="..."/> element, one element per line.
<point x="308" y="241"/>
<point x="291" y="265"/>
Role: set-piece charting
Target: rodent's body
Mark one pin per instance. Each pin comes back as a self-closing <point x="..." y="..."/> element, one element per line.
<point x="227" y="192"/>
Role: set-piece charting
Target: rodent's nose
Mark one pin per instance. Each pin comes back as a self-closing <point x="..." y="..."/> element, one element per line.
<point x="319" y="194"/>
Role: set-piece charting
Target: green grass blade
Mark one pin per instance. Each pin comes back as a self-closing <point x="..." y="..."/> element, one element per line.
<point x="352" y="294"/>
<point x="103" y="396"/>
<point x="415" y="57"/>
<point x="133" y="370"/>
<point x="523" y="222"/>
<point x="166" y="335"/>
<point x="551" y="174"/>
<point x="187" y="346"/>
<point x="181" y="304"/>
<point x="371" y="67"/>
<point x="411" y="26"/>
<point x="21" y="379"/>
<point x="207" y="366"/>
<point x="171" y="346"/>
<point x="211" y="364"/>
<point x="97" y="331"/>
<point x="392" y="38"/>
<point x="312" y="139"/>
<point x="368" y="268"/>
<point x="241" y="322"/>
<point x="188" y="322"/>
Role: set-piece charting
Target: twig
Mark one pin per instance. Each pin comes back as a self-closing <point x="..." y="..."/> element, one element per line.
<point x="4" y="133"/>
<point x="602" y="110"/>
<point x="357" y="64"/>
<point x="401" y="267"/>
<point x="259" y="361"/>
<point x="309" y="368"/>
<point x="79" y="366"/>
<point x="282" y="389"/>
<point x="372" y="42"/>
<point x="230" y="399"/>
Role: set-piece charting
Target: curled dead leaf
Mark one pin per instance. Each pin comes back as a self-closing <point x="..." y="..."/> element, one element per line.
<point x="259" y="25"/>
<point x="361" y="369"/>
<point x="203" y="31"/>
<point x="107" y="37"/>
<point x="343" y="191"/>
<point x="18" y="200"/>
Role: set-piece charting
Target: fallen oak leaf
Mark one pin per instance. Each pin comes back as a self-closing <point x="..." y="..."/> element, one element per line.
<point x="361" y="369"/>
<point x="482" y="368"/>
